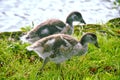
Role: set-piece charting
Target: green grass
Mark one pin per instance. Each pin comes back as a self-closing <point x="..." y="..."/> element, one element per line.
<point x="16" y="63"/>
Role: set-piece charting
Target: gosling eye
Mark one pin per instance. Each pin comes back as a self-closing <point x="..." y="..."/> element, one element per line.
<point x="27" y="37"/>
<point x="92" y="38"/>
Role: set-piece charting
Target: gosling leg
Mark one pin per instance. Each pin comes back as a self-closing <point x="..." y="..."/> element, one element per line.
<point x="44" y="63"/>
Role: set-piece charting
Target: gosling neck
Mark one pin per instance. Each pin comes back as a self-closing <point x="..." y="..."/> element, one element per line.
<point x="83" y="42"/>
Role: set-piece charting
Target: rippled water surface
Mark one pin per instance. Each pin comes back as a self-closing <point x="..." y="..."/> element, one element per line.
<point x="15" y="14"/>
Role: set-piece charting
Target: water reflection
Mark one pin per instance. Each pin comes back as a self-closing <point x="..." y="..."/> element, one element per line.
<point x="15" y="14"/>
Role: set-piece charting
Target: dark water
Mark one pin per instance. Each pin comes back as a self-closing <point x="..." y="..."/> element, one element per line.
<point x="15" y="14"/>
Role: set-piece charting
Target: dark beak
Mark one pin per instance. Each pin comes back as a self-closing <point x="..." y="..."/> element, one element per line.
<point x="81" y="20"/>
<point x="96" y="44"/>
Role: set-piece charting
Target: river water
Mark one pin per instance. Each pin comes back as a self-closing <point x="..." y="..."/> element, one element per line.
<point x="15" y="14"/>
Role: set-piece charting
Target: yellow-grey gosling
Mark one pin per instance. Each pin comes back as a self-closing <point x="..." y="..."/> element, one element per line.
<point x="53" y="26"/>
<point x="61" y="47"/>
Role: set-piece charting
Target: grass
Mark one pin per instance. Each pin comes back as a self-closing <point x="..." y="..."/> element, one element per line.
<point x="16" y="63"/>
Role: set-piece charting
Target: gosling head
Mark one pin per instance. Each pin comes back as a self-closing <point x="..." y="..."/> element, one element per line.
<point x="75" y="16"/>
<point x="89" y="38"/>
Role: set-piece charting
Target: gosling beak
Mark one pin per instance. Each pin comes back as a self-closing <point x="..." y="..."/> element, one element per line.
<point x="81" y="20"/>
<point x="96" y="44"/>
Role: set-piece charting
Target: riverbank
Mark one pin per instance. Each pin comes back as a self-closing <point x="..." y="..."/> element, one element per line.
<point x="16" y="63"/>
